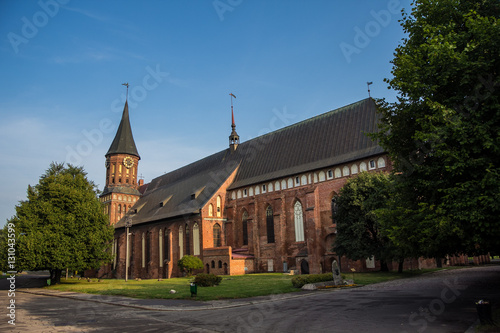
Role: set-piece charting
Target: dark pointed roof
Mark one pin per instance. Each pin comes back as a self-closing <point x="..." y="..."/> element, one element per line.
<point x="332" y="138"/>
<point x="124" y="140"/>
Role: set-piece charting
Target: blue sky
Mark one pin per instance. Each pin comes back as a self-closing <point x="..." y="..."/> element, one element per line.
<point x="63" y="63"/>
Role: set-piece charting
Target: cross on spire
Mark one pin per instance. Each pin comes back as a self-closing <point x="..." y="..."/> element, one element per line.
<point x="126" y="85"/>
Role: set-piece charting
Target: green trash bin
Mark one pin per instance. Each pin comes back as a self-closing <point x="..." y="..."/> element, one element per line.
<point x="484" y="312"/>
<point x="194" y="289"/>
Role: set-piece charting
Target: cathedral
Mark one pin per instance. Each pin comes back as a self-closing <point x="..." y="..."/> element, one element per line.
<point x="264" y="205"/>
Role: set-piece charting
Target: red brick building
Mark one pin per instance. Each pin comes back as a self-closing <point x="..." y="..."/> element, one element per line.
<point x="264" y="205"/>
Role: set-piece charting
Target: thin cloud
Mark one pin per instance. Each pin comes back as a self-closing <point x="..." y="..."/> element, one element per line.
<point x="87" y="14"/>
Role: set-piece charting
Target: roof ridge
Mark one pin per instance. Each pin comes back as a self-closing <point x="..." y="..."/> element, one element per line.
<point x="322" y="115"/>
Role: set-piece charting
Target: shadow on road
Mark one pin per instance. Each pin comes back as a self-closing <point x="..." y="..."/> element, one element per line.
<point x="26" y="280"/>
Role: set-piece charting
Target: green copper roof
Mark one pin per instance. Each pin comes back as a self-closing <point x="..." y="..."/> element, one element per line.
<point x="124" y="140"/>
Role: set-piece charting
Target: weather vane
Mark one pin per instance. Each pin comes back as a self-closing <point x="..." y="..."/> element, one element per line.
<point x="126" y="85"/>
<point x="368" y="84"/>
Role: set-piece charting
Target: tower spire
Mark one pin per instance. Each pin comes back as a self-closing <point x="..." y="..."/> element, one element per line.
<point x="234" y="139"/>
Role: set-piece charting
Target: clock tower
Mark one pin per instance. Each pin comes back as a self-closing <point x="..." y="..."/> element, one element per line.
<point x="122" y="162"/>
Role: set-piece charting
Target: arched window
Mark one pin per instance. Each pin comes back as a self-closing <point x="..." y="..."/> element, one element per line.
<point x="160" y="248"/>
<point x="115" y="252"/>
<point x="220" y="263"/>
<point x="299" y="222"/>
<point x="218" y="206"/>
<point x="213" y="264"/>
<point x="188" y="243"/>
<point x="244" y="220"/>
<point x="166" y="244"/>
<point x="270" y="224"/>
<point x="217" y="240"/>
<point x="334" y="209"/>
<point x="143" y="248"/>
<point x="196" y="239"/>
<point x="148" y="249"/>
<point x="181" y="242"/>
<point x="210" y="210"/>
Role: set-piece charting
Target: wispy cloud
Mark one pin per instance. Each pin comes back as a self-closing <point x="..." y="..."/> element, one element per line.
<point x="90" y="56"/>
<point x="88" y="14"/>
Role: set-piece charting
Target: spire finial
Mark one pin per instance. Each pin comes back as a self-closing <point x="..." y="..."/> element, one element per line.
<point x="368" y="84"/>
<point x="232" y="114"/>
<point x="234" y="139"/>
<point x="126" y="85"/>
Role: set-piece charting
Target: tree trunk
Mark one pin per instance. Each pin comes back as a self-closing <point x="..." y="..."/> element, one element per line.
<point x="383" y="266"/>
<point x="439" y="264"/>
<point x="400" y="265"/>
<point x="57" y="276"/>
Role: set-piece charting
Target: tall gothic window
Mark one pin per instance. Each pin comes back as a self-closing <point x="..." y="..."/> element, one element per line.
<point x="270" y="224"/>
<point x="334" y="209"/>
<point x="143" y="250"/>
<point x="166" y="244"/>
<point x="196" y="239"/>
<point x="210" y="210"/>
<point x="160" y="248"/>
<point x="219" y="208"/>
<point x="148" y="249"/>
<point x="181" y="242"/>
<point x="299" y="222"/>
<point x="244" y="220"/>
<point x="217" y="240"/>
<point x="187" y="240"/>
<point x="115" y="252"/>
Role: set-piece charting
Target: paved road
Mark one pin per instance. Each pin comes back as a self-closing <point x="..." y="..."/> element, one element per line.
<point x="437" y="302"/>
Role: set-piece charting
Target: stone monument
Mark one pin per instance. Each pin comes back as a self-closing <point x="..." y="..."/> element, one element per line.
<point x="337" y="278"/>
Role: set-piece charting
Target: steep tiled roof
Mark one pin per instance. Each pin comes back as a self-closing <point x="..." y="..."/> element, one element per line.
<point x="183" y="191"/>
<point x="331" y="138"/>
<point x="124" y="140"/>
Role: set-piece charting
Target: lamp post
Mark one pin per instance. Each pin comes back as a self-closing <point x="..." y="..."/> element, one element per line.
<point x="128" y="224"/>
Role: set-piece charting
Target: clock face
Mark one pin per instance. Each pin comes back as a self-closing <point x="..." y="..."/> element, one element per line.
<point x="128" y="162"/>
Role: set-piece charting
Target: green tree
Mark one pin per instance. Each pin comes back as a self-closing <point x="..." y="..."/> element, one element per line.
<point x="61" y="224"/>
<point x="443" y="133"/>
<point x="359" y="233"/>
<point x="189" y="263"/>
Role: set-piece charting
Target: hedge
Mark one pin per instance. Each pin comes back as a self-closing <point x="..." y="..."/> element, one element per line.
<point x="207" y="280"/>
<point x="300" y="280"/>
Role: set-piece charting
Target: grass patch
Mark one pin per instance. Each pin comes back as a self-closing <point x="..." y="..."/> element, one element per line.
<point x="363" y="279"/>
<point x="239" y="286"/>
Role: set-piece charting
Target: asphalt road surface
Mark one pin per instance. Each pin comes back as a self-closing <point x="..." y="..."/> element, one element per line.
<point x="438" y="302"/>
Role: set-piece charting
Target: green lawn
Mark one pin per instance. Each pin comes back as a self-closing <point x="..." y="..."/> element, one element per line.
<point x="239" y="286"/>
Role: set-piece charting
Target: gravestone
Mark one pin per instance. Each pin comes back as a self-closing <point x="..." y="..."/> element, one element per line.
<point x="337" y="278"/>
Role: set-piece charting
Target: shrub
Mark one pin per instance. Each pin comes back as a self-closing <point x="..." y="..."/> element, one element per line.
<point x="189" y="263"/>
<point x="300" y="280"/>
<point x="207" y="280"/>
